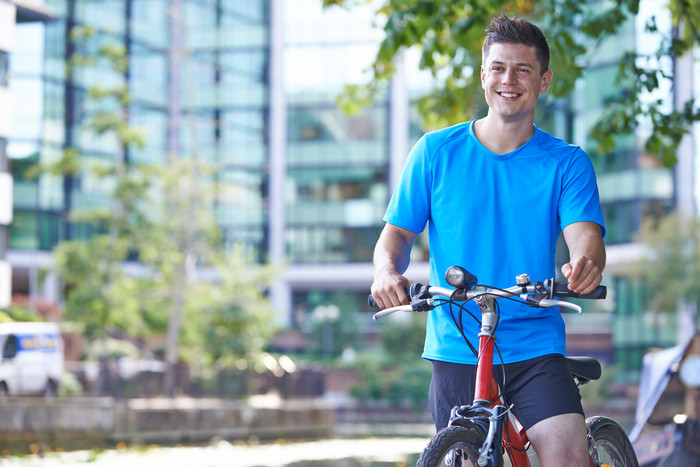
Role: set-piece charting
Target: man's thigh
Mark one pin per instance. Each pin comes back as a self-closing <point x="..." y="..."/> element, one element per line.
<point x="560" y="440"/>
<point x="452" y="384"/>
<point x="539" y="389"/>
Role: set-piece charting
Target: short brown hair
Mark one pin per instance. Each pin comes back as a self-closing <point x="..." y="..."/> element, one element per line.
<point x="517" y="31"/>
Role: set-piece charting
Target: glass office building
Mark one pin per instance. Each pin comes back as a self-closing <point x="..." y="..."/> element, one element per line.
<point x="247" y="86"/>
<point x="20" y="107"/>
<point x="251" y="87"/>
<point x="198" y="81"/>
<point x="633" y="185"/>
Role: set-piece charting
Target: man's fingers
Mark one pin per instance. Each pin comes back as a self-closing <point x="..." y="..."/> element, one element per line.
<point x="396" y="298"/>
<point x="584" y="275"/>
<point x="566" y="270"/>
<point x="390" y="293"/>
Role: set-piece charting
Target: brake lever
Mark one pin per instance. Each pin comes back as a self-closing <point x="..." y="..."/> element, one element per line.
<point x="414" y="306"/>
<point x="545" y="303"/>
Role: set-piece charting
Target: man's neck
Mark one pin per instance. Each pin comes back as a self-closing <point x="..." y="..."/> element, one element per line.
<point x="502" y="137"/>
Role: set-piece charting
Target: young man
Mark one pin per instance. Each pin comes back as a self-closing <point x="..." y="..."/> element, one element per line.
<point x="496" y="193"/>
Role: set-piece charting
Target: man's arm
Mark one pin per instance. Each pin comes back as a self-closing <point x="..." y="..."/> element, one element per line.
<point x="391" y="258"/>
<point x="584" y="271"/>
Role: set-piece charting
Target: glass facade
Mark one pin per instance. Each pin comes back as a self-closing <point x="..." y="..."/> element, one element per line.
<point x="336" y="183"/>
<point x="33" y="199"/>
<point x="4" y="67"/>
<point x="222" y="79"/>
<point x="337" y="165"/>
<point x="637" y="328"/>
<point x="209" y="77"/>
<point x="225" y="94"/>
<point x="632" y="184"/>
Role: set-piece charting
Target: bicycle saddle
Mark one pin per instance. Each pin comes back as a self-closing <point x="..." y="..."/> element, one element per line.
<point x="585" y="369"/>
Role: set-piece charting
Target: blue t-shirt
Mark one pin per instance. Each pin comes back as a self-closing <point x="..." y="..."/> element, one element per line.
<point x="497" y="216"/>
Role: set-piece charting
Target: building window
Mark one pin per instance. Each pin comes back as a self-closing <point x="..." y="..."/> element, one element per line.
<point x="3" y="155"/>
<point x="4" y="68"/>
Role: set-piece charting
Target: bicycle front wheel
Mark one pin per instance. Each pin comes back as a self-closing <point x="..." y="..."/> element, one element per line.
<point x="608" y="444"/>
<point x="454" y="446"/>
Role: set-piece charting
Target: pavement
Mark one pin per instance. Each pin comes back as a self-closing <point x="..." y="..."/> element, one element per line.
<point x="222" y="453"/>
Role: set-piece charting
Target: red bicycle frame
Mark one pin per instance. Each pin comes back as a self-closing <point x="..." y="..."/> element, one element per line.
<point x="487" y="390"/>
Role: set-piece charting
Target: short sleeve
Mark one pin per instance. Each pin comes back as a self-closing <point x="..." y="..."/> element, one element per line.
<point x="409" y="207"/>
<point x="579" y="199"/>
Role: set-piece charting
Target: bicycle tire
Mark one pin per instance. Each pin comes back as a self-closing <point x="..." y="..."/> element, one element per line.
<point x="609" y="445"/>
<point x="466" y="441"/>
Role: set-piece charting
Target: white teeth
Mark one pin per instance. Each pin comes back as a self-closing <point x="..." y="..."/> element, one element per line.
<point x="509" y="95"/>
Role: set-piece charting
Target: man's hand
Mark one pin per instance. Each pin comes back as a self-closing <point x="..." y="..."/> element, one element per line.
<point x="587" y="251"/>
<point x="583" y="275"/>
<point x="389" y="287"/>
<point x="391" y="256"/>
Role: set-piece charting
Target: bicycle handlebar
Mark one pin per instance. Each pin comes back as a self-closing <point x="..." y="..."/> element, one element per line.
<point x="538" y="294"/>
<point x="561" y="290"/>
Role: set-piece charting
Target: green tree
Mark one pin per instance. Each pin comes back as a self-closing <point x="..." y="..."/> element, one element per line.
<point x="449" y="35"/>
<point x="163" y="218"/>
<point x="395" y="373"/>
<point x="670" y="268"/>
<point x="91" y="269"/>
<point x="333" y="323"/>
<point x="234" y="316"/>
<point x="221" y="316"/>
<point x="404" y="339"/>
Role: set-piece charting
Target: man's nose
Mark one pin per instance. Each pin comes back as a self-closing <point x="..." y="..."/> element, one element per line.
<point x="509" y="76"/>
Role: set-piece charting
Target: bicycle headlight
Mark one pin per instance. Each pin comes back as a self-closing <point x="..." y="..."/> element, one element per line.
<point x="458" y="277"/>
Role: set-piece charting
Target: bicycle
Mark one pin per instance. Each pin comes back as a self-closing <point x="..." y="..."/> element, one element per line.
<point x="480" y="434"/>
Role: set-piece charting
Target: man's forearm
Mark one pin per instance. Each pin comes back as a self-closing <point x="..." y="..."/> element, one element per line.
<point x="584" y="271"/>
<point x="590" y="245"/>
<point x="393" y="250"/>
<point x="391" y="258"/>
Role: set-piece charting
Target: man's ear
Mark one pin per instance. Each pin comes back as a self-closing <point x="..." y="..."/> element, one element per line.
<point x="483" y="78"/>
<point x="546" y="81"/>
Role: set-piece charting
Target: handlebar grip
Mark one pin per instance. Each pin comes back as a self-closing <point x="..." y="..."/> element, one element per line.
<point x="561" y="290"/>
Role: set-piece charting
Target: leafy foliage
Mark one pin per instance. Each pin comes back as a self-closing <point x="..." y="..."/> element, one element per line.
<point x="404" y="338"/>
<point x="671" y="268"/>
<point x="335" y="335"/>
<point x="94" y="283"/>
<point x="163" y="218"/>
<point x="449" y="35"/>
<point x="407" y="382"/>
<point x="235" y="317"/>
<point x="396" y="373"/>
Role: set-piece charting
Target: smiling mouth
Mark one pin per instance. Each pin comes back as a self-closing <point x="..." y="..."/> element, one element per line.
<point x="508" y="95"/>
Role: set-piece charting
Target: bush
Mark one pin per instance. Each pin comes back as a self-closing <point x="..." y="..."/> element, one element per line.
<point x="396" y="372"/>
<point x="69" y="386"/>
<point x="406" y="383"/>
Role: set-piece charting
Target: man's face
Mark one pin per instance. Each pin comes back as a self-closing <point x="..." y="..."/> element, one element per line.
<point x="512" y="82"/>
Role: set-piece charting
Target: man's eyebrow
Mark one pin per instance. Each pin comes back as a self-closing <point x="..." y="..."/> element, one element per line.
<point x="521" y="64"/>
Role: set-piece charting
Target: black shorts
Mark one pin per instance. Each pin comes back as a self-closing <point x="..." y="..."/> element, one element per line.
<point x="538" y="389"/>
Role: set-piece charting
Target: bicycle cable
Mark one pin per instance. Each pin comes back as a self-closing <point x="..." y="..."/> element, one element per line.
<point x="460" y="325"/>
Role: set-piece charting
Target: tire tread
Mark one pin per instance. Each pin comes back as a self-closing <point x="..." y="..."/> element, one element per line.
<point x="446" y="439"/>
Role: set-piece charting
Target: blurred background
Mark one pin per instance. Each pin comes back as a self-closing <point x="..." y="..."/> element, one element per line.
<point x="192" y="189"/>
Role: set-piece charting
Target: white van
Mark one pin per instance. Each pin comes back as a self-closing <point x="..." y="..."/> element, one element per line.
<point x="31" y="361"/>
